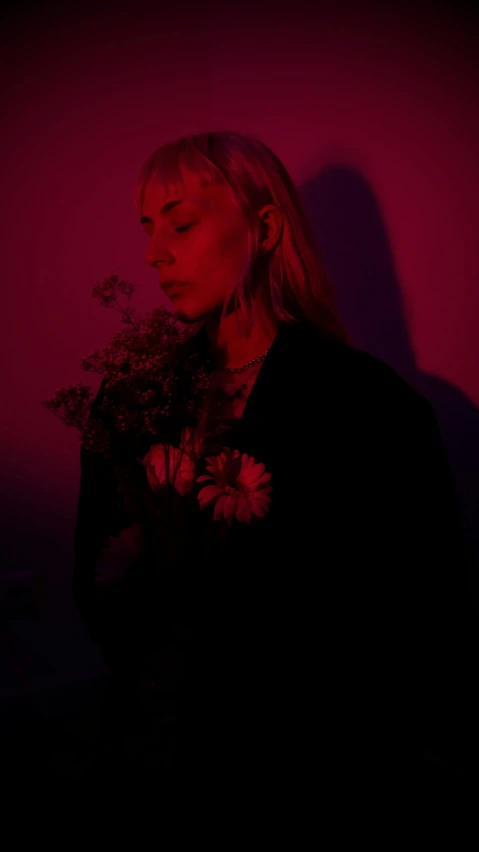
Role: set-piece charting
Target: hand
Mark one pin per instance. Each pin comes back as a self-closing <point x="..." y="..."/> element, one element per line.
<point x="119" y="555"/>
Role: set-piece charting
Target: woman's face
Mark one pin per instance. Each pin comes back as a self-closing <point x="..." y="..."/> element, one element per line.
<point x="201" y="242"/>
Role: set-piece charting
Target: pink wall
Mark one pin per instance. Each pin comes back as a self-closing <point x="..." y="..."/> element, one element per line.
<point x="374" y="113"/>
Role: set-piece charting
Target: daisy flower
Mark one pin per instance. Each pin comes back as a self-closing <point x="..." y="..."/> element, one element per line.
<point x="239" y="487"/>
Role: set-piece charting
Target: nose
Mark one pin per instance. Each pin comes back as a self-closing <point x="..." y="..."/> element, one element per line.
<point x="155" y="258"/>
<point x="156" y="254"/>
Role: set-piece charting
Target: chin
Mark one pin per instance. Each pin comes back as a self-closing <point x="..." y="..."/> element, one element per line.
<point x="189" y="315"/>
<point x="187" y="319"/>
<point x="185" y="315"/>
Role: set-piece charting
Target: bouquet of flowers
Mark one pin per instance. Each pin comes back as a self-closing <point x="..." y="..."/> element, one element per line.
<point x="159" y="427"/>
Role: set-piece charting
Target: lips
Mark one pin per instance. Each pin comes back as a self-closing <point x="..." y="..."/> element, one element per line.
<point x="172" y="286"/>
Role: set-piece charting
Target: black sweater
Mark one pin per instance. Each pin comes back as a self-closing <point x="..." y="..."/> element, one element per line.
<point x="336" y="634"/>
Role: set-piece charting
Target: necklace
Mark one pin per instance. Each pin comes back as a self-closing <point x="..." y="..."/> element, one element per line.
<point x="246" y="366"/>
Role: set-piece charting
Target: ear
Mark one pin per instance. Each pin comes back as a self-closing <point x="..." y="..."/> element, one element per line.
<point x="271" y="227"/>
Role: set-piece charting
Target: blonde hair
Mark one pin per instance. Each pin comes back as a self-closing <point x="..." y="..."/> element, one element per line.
<point x="298" y="287"/>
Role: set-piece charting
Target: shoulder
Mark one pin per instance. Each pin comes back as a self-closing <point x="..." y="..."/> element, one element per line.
<point x="356" y="404"/>
<point x="348" y="376"/>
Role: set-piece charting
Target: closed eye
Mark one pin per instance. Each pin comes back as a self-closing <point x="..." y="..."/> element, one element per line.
<point x="184" y="227"/>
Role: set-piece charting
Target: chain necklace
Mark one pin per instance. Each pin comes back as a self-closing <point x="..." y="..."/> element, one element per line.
<point x="246" y="366"/>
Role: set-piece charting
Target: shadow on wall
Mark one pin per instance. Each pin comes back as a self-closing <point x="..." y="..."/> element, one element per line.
<point x="355" y="250"/>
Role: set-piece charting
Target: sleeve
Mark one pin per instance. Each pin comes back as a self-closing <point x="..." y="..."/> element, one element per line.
<point x="418" y="539"/>
<point x="105" y="612"/>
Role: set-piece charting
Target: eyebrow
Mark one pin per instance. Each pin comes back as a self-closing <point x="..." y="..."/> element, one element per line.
<point x="164" y="210"/>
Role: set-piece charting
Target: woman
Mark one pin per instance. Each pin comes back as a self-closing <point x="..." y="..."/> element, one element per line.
<point x="322" y="649"/>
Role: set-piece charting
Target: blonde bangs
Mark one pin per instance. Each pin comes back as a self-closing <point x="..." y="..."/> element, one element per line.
<point x="168" y="166"/>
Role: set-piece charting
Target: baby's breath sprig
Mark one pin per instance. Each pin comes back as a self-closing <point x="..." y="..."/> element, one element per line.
<point x="153" y="383"/>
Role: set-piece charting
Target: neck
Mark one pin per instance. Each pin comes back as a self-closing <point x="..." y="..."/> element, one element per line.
<point x="229" y="343"/>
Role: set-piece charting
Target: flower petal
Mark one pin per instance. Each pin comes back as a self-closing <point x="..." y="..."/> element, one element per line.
<point x="251" y="475"/>
<point x="208" y="494"/>
<point x="243" y="511"/>
<point x="265" y="478"/>
<point x="230" y="505"/>
<point x="259" y="503"/>
<point x="218" y="513"/>
<point x="183" y="484"/>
